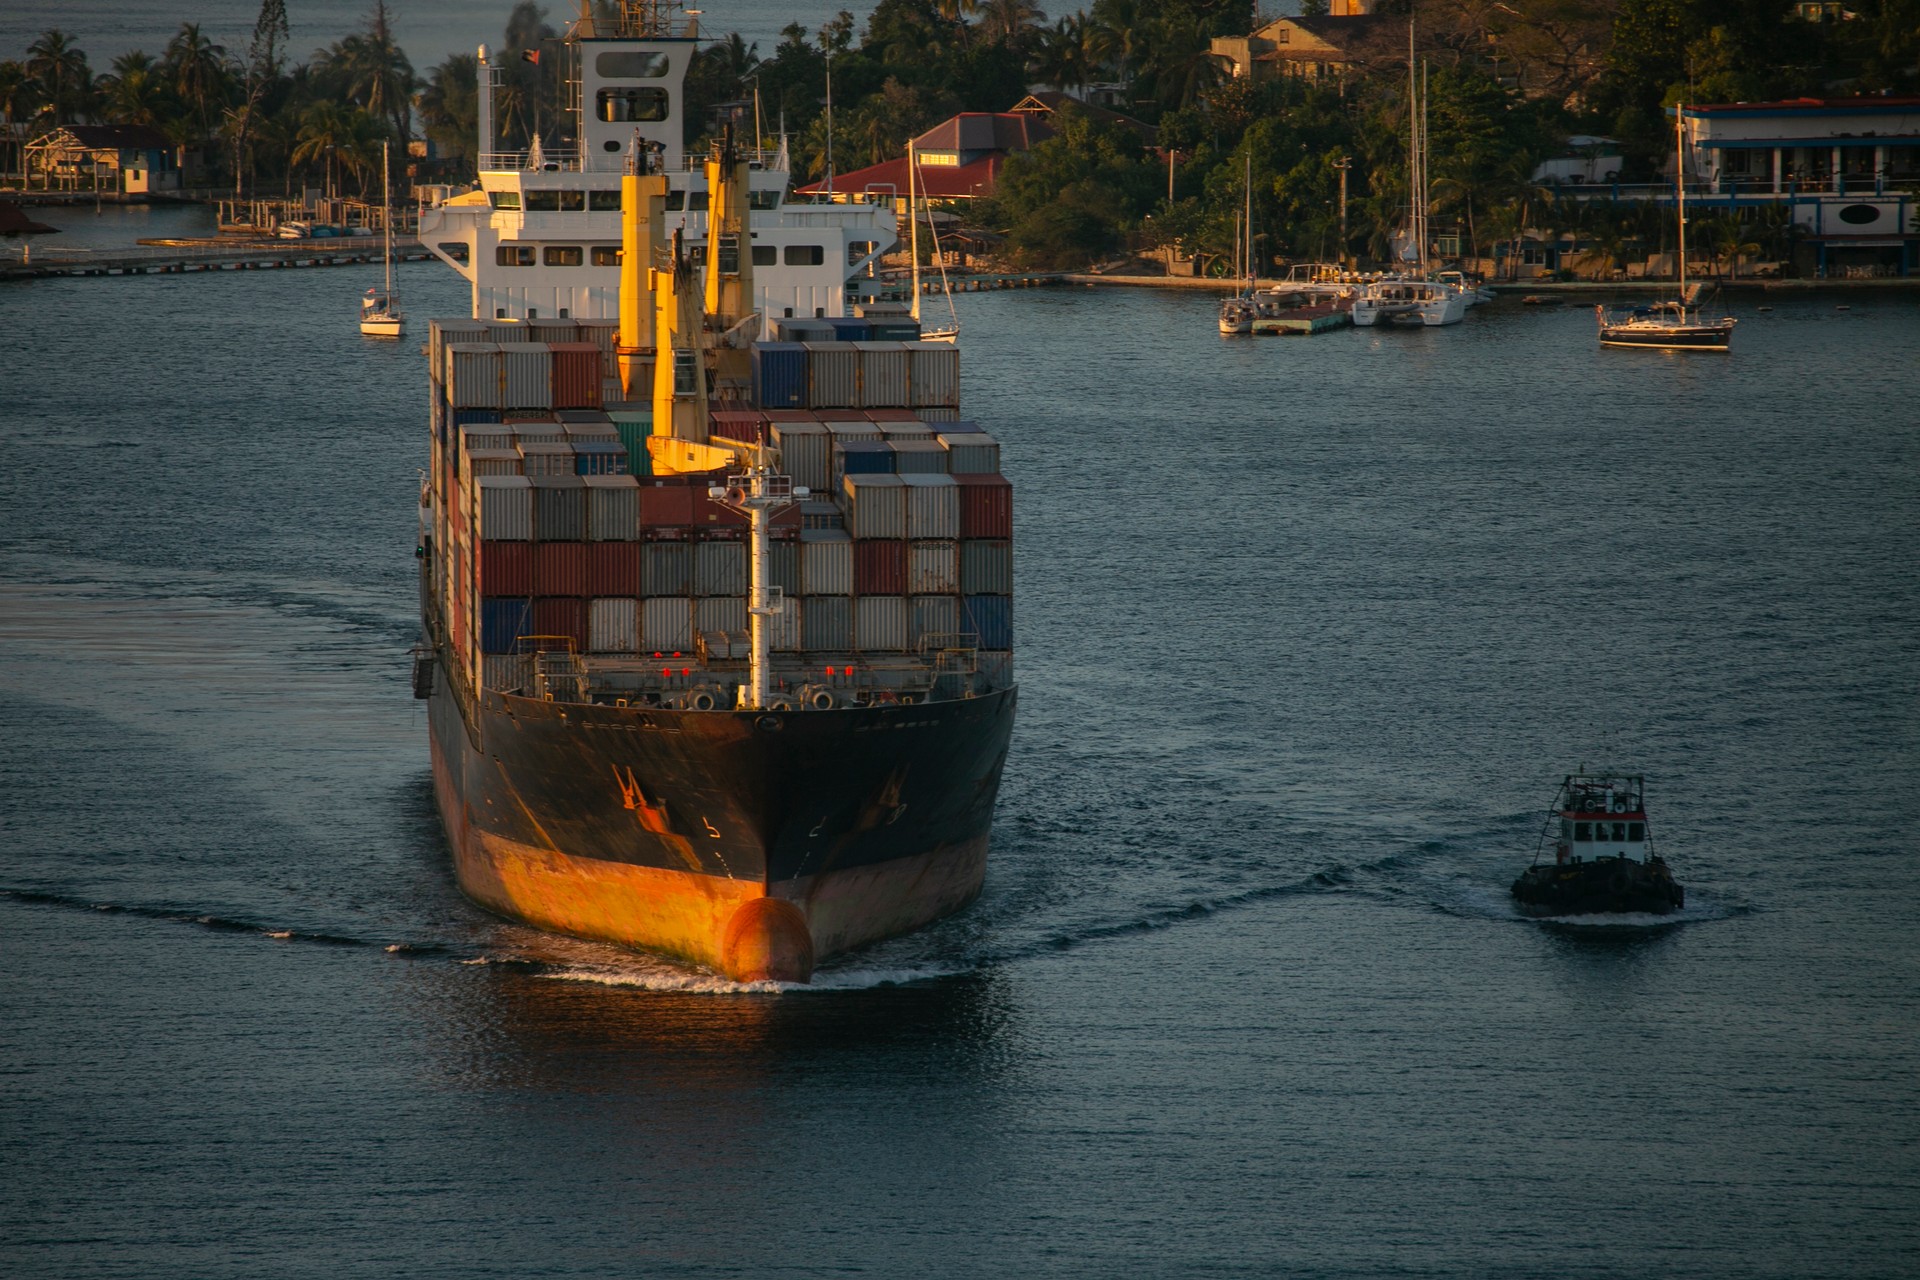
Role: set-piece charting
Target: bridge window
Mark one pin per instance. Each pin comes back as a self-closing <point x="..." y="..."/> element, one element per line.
<point x="769" y="199"/>
<point x="604" y="201"/>
<point x="573" y="201"/>
<point x="765" y="255"/>
<point x="631" y="66"/>
<point x="563" y="255"/>
<point x="543" y="202"/>
<point x="630" y="106"/>
<point x="1583" y="831"/>
<point x="455" y="249"/>
<point x="605" y="255"/>
<point x="513" y="255"/>
<point x="1636" y="832"/>
<point x="1620" y="833"/>
<point x="805" y="255"/>
<point x="504" y="199"/>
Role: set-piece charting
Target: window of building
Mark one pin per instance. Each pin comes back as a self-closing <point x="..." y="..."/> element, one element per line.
<point x="765" y="255"/>
<point x="513" y="255"/>
<point x="543" y="202"/>
<point x="604" y="201"/>
<point x="563" y="255"/>
<point x="631" y="66"/>
<point x="606" y="255"/>
<point x="631" y="106"/>
<point x="728" y="255"/>
<point x="763" y="200"/>
<point x="686" y="373"/>
<point x="696" y="201"/>
<point x="804" y="255"/>
<point x="504" y="199"/>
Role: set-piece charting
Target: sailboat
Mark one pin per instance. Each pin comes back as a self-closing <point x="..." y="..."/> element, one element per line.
<point x="951" y="333"/>
<point x="1676" y="324"/>
<point x="1237" y="312"/>
<point x="1418" y="297"/>
<point x="380" y="314"/>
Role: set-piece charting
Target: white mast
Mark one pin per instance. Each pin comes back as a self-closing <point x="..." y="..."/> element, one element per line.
<point x="1248" y="182"/>
<point x="386" y="214"/>
<point x="758" y="492"/>
<point x="1680" y="186"/>
<point x="913" y="213"/>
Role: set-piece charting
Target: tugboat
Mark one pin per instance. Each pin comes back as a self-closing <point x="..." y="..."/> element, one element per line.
<point x="1603" y="855"/>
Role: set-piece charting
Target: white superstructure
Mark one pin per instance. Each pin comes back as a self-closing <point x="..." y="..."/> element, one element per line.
<point x="541" y="237"/>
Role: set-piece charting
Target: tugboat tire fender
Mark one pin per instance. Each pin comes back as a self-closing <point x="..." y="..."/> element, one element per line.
<point x="1620" y="882"/>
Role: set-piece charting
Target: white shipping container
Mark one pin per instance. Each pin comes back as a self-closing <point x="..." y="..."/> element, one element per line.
<point x="443" y="333"/>
<point x="613" y="625"/>
<point x="526" y="375"/>
<point x="543" y="459"/>
<point x="473" y="375"/>
<point x="783" y="628"/>
<point x="505" y="508"/>
<point x="593" y="432"/>
<point x="938" y="413"/>
<point x="934" y="374"/>
<point x="833" y="375"/>
<point x="613" y="508"/>
<point x="933" y="616"/>
<point x="806" y="453"/>
<point x="489" y="462"/>
<point x="719" y="569"/>
<point x="919" y="457"/>
<point x="883" y="375"/>
<point x="847" y="431"/>
<point x="972" y="453"/>
<point x="880" y="624"/>
<point x="720" y="613"/>
<point x="876" y="506"/>
<point x="826" y="562"/>
<point x="897" y="431"/>
<point x="933" y="568"/>
<point x="485" y="435"/>
<point x="553" y="330"/>
<point x="933" y="506"/>
<point x="666" y="625"/>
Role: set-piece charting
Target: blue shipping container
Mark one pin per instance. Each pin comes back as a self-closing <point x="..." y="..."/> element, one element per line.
<point x="954" y="428"/>
<point x="805" y="329"/>
<point x="780" y="375"/>
<point x="502" y="622"/>
<point x="849" y="329"/>
<point x="461" y="417"/>
<point x="863" y="458"/>
<point x="599" y="458"/>
<point x="895" y="330"/>
<point x="990" y="618"/>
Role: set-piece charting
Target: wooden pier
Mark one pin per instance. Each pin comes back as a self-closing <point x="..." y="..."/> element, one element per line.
<point x="1316" y="317"/>
<point x="203" y="255"/>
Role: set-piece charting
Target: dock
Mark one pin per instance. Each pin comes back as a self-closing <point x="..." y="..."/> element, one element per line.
<point x="185" y="256"/>
<point x="1316" y="317"/>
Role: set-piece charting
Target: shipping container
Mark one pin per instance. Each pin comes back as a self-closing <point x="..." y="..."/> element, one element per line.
<point x="783" y="628"/>
<point x="489" y="462"/>
<point x="803" y="329"/>
<point x="613" y="569"/>
<point x="737" y="424"/>
<point x="613" y="625"/>
<point x="957" y="427"/>
<point x="559" y="508"/>
<point x="556" y="617"/>
<point x="891" y="417"/>
<point x="862" y="458"/>
<point x="665" y="505"/>
<point x="895" y="432"/>
<point x="546" y="459"/>
<point x="879" y="568"/>
<point x="826" y="562"/>
<point x="826" y="624"/>
<point x="634" y="436"/>
<point x="833" y="375"/>
<point x="939" y="414"/>
<point x="503" y="622"/>
<point x="880" y="624"/>
<point x="560" y="569"/>
<point x="506" y="568"/>
<point x="990" y="618"/>
<point x="507" y="331"/>
<point x="505" y="508"/>
<point x="806" y="453"/>
<point x="613" y="508"/>
<point x="816" y="513"/>
<point x="933" y="568"/>
<point x="788" y="415"/>
<point x="846" y="328"/>
<point x="783" y="567"/>
<point x="848" y="430"/>
<point x="559" y="329"/>
<point x="666" y="568"/>
<point x="457" y="418"/>
<point x="507" y="672"/>
<point x="986" y="506"/>
<point x="931" y="619"/>
<point x="596" y="418"/>
<point x="986" y="568"/>
<point x="485" y="435"/>
<point x="442" y="333"/>
<point x="876" y="506"/>
<point x="779" y="375"/>
<point x="604" y="335"/>
<point x="971" y="453"/>
<point x="666" y="625"/>
<point x="919" y="457"/>
<point x="720" y="613"/>
<point x="472" y="378"/>
<point x="715" y="519"/>
<point x="883" y="375"/>
<point x="935" y="374"/>
<point x="576" y="375"/>
<point x="933" y="506"/>
<point x="719" y="568"/>
<point x="599" y="458"/>
<point x="541" y="432"/>
<point x="526" y="378"/>
<point x="891" y="329"/>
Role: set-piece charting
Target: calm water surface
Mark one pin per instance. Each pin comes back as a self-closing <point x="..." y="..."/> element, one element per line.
<point x="1309" y="630"/>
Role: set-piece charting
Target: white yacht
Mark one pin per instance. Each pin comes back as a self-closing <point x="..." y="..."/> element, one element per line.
<point x="540" y="238"/>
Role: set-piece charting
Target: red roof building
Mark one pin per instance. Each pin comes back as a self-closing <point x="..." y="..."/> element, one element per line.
<point x="960" y="158"/>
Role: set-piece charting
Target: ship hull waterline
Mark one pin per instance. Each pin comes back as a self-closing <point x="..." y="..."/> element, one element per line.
<point x="751" y="844"/>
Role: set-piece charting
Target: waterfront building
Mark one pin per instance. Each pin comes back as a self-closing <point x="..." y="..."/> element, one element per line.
<point x="1335" y="46"/>
<point x="960" y="159"/>
<point x="131" y="159"/>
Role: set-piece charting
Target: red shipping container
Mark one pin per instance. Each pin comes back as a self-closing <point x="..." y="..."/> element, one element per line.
<point x="613" y="569"/>
<point x="789" y="415"/>
<point x="745" y="425"/>
<point x="557" y="617"/>
<point x="986" y="506"/>
<point x="506" y="568"/>
<point x="665" y="505"/>
<point x="709" y="515"/>
<point x="576" y="375"/>
<point x="879" y="567"/>
<point x="560" y="568"/>
<point x="890" y="415"/>
<point x="785" y="522"/>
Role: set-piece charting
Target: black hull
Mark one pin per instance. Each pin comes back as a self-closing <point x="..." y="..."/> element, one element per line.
<point x="1607" y="887"/>
<point x="1687" y="338"/>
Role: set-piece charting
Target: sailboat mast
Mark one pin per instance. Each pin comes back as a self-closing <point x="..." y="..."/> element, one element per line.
<point x="1249" y="213"/>
<point x="913" y="215"/>
<point x="386" y="212"/>
<point x="1680" y="186"/>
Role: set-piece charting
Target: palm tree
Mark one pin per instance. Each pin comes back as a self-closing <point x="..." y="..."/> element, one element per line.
<point x="136" y="92"/>
<point x="1064" y="59"/>
<point x="1729" y="238"/>
<point x="198" y="68"/>
<point x="324" y="129"/>
<point x="59" y="68"/>
<point x="450" y="104"/>
<point x="1010" y="22"/>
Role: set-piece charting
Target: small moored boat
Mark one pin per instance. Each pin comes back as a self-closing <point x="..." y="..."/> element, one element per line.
<point x="1603" y="859"/>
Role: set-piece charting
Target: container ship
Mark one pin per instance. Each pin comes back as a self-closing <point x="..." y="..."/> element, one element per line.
<point x="716" y="581"/>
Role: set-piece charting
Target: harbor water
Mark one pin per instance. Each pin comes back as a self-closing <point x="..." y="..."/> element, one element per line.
<point x="1309" y="630"/>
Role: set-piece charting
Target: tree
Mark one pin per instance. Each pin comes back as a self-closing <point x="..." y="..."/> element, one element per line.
<point x="265" y="57"/>
<point x="59" y="70"/>
<point x="1065" y="57"/>
<point x="137" y="92"/>
<point x="198" y="69"/>
<point x="450" y="104"/>
<point x="1011" y="22"/>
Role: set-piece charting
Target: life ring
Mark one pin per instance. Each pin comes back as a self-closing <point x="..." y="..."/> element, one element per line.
<point x="1620" y="882"/>
<point x="1619" y="804"/>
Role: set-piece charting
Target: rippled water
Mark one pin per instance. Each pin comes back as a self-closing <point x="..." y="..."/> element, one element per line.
<point x="1309" y="630"/>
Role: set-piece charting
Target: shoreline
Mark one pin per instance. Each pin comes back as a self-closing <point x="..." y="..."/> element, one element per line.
<point x="1504" y="287"/>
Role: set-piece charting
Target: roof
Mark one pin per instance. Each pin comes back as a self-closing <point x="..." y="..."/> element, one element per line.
<point x="986" y="131"/>
<point x="936" y="181"/>
<point x="1333" y="30"/>
<point x="1046" y="102"/>
<point x="1806" y="105"/>
<point x="110" y="137"/>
